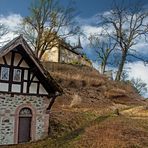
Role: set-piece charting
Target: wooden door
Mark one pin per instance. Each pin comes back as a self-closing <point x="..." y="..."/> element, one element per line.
<point x="24" y="129"/>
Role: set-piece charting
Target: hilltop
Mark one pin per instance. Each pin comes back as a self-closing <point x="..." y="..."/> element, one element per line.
<point x="94" y="112"/>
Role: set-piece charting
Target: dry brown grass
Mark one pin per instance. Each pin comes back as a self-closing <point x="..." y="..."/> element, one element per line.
<point x="89" y="129"/>
<point x="116" y="132"/>
<point x="84" y="79"/>
<point x="115" y="93"/>
<point x="139" y="111"/>
<point x="83" y="116"/>
<point x="94" y="89"/>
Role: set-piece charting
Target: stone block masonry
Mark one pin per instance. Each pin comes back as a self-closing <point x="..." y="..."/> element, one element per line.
<point x="9" y="117"/>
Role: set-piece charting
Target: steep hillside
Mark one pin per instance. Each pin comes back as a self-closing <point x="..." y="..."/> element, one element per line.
<point x="93" y="112"/>
<point x="85" y="87"/>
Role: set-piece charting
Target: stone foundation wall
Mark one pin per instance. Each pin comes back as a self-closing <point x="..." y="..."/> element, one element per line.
<point x="9" y="117"/>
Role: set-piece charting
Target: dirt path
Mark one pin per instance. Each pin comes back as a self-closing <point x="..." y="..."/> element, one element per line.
<point x="139" y="112"/>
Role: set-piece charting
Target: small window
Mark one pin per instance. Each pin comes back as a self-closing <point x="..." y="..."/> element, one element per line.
<point x="17" y="75"/>
<point x="4" y="73"/>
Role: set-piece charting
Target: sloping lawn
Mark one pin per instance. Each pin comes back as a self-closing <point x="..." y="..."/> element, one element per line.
<point x="89" y="130"/>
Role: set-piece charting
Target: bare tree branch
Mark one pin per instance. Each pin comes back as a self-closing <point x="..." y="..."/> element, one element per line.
<point x="125" y="24"/>
<point x="49" y="21"/>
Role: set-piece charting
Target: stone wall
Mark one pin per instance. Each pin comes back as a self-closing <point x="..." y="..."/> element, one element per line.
<point x="51" y="55"/>
<point x="63" y="55"/>
<point x="9" y="114"/>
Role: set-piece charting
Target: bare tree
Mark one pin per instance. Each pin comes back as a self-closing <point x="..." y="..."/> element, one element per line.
<point x="47" y="22"/>
<point x="125" y="25"/>
<point x="103" y="46"/>
<point x="139" y="85"/>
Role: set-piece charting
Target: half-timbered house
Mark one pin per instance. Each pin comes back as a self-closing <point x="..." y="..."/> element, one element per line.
<point x="27" y="92"/>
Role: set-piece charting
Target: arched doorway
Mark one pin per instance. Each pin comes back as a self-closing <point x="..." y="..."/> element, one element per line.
<point x="24" y="128"/>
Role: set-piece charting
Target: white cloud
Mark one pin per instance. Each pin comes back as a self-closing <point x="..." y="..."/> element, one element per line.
<point x="88" y="30"/>
<point x="141" y="47"/>
<point x="138" y="70"/>
<point x="12" y="21"/>
<point x="7" y="38"/>
<point x="140" y="44"/>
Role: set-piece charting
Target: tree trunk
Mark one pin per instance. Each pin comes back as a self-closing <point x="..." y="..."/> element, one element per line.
<point x="103" y="70"/>
<point x="41" y="54"/>
<point x="121" y="65"/>
<point x="103" y="67"/>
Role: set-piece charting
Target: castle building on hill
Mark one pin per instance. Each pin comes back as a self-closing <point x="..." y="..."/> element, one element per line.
<point x="65" y="53"/>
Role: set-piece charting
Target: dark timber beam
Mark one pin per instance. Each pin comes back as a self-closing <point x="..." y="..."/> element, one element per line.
<point x="21" y="60"/>
<point x="11" y="71"/>
<point x="51" y="103"/>
<point x="4" y="59"/>
<point x="31" y="79"/>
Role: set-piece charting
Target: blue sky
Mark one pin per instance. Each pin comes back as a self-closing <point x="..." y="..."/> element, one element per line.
<point x="86" y="8"/>
<point x="12" y="12"/>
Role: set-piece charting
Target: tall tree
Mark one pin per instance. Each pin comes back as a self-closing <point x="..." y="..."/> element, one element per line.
<point x="125" y="25"/>
<point x="48" y="21"/>
<point x="103" y="46"/>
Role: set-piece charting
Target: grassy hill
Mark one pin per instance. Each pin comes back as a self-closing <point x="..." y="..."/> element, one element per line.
<point x="94" y="112"/>
<point x="90" y="88"/>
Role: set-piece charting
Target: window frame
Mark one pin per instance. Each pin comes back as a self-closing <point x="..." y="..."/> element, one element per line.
<point x="17" y="76"/>
<point x="6" y="72"/>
